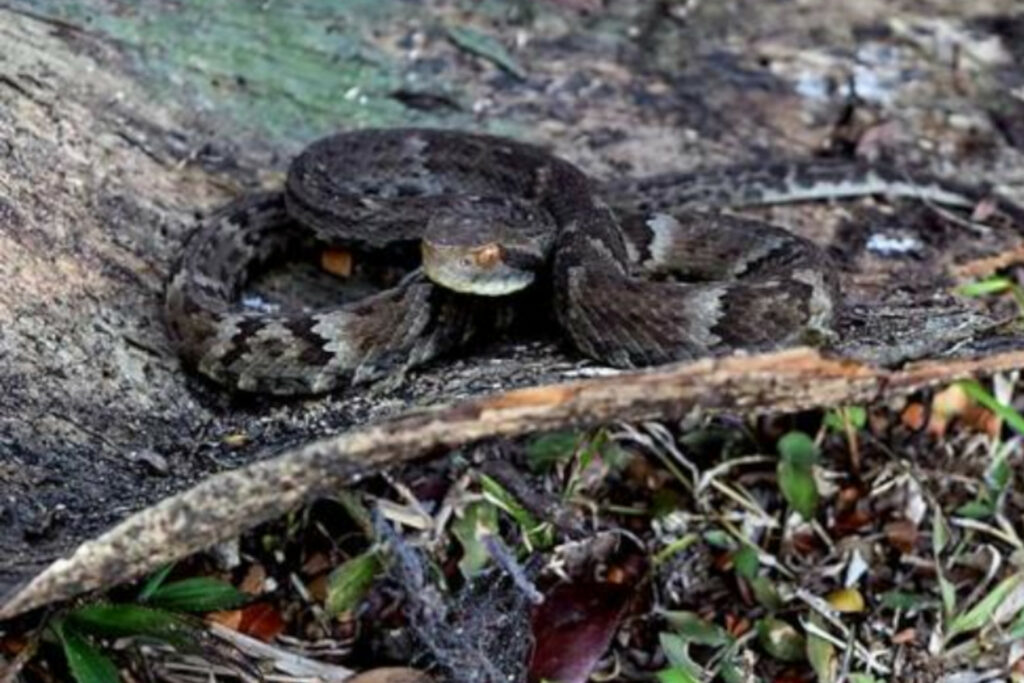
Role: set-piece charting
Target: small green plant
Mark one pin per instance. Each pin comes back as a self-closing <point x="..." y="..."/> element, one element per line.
<point x="987" y="610"/>
<point x="158" y="613"/>
<point x="848" y="421"/>
<point x="349" y="583"/>
<point x="579" y="450"/>
<point x="688" y="629"/>
<point x="477" y="522"/>
<point x="997" y="284"/>
<point x="842" y="419"/>
<point x="797" y="457"/>
<point x="998" y="474"/>
<point x="746" y="563"/>
<point x="977" y="392"/>
<point x="538" y="535"/>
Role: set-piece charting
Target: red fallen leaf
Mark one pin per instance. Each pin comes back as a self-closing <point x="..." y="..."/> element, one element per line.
<point x="982" y="420"/>
<point x="722" y="561"/>
<point x="851" y="522"/>
<point x="12" y="644"/>
<point x="789" y="678"/>
<point x="736" y="625"/>
<point x="261" y="621"/>
<point x="904" y="637"/>
<point x="254" y="580"/>
<point x="902" y="535"/>
<point x="573" y="627"/>
<point x="914" y="416"/>
<point x="848" y="497"/>
<point x="804" y="542"/>
<point x="231" y="618"/>
<point x="746" y="595"/>
<point x="315" y="564"/>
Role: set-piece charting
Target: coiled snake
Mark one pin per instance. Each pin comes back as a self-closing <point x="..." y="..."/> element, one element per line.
<point x="655" y="280"/>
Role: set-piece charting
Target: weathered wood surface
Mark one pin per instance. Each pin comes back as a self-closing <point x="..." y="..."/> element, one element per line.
<point x="117" y="125"/>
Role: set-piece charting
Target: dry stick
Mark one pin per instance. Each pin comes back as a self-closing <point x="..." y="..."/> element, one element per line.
<point x="227" y="504"/>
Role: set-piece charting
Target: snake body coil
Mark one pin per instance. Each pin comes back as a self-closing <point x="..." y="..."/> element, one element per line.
<point x="631" y="287"/>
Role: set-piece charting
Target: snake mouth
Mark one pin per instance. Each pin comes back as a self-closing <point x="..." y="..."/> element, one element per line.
<point x="480" y="269"/>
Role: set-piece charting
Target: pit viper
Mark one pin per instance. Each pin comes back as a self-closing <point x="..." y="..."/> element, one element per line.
<point x="640" y="272"/>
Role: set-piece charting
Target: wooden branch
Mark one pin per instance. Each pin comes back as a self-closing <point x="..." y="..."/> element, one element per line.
<point x="229" y="503"/>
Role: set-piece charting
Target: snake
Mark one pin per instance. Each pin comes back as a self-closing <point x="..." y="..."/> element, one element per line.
<point x="637" y="272"/>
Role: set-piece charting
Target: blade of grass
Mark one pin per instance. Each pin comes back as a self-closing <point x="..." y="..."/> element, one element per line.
<point x="982" y="396"/>
<point x="85" y="661"/>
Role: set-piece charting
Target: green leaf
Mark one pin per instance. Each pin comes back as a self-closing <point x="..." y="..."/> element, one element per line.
<point x="719" y="539"/>
<point x="765" y="593"/>
<point x="982" y="612"/>
<point x="155" y="581"/>
<point x="975" y="509"/>
<point x="948" y="594"/>
<point x="118" y="621"/>
<point x="478" y="521"/>
<point x="665" y="501"/>
<point x="979" y="394"/>
<point x="731" y="670"/>
<point x="358" y="512"/>
<point x="940" y="534"/>
<point x="940" y="537"/>
<point x="548" y="450"/>
<point x="614" y="456"/>
<point x="796" y="448"/>
<point x="863" y="678"/>
<point x="198" y="594"/>
<point x="677" y="651"/>
<point x="798" y="488"/>
<point x="673" y="548"/>
<point x="821" y="654"/>
<point x="85" y="661"/>
<point x="487" y="47"/>
<point x="780" y="640"/>
<point x="746" y="562"/>
<point x="998" y="473"/>
<point x="838" y="419"/>
<point x="1016" y="630"/>
<point x="350" y="581"/>
<point x="857" y="416"/>
<point x="676" y="676"/>
<point x="795" y="473"/>
<point x="540" y="535"/>
<point x="992" y="285"/>
<point x="906" y="601"/>
<point x="692" y="629"/>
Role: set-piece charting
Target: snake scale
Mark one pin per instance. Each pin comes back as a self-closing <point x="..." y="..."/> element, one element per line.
<point x="658" y="278"/>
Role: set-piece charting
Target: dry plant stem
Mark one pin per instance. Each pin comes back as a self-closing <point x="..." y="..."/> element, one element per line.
<point x="231" y="502"/>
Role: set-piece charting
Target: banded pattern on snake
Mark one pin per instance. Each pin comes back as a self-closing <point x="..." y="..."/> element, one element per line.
<point x="659" y="278"/>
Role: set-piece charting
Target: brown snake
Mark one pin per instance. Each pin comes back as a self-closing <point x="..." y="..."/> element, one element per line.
<point x="655" y="280"/>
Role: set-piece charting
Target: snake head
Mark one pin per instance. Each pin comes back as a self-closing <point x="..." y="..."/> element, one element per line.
<point x="486" y="246"/>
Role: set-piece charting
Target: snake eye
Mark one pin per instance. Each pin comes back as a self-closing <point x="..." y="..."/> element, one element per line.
<point x="488" y="257"/>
